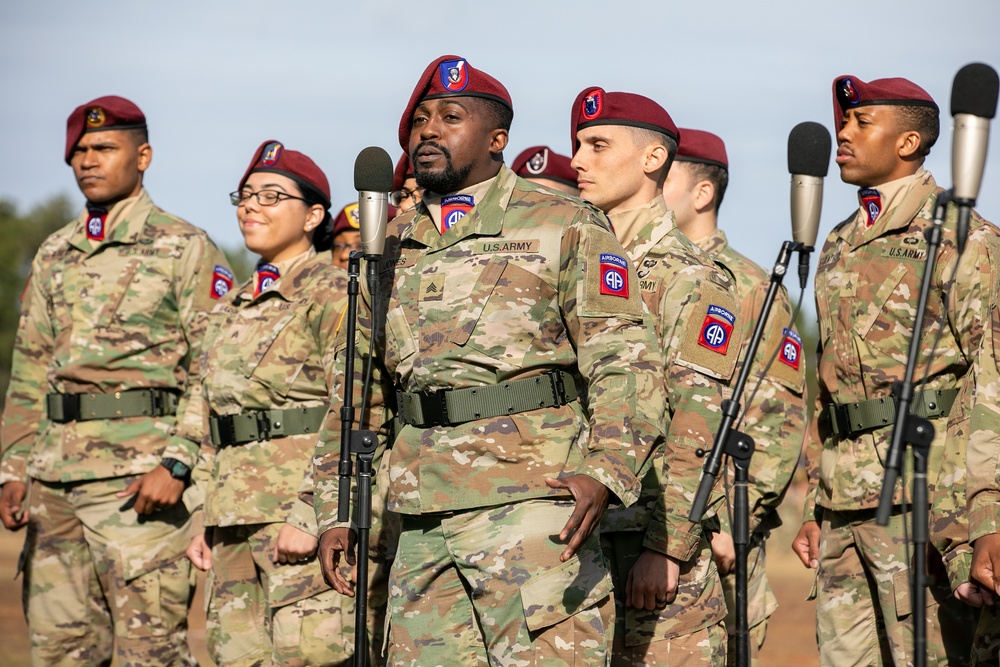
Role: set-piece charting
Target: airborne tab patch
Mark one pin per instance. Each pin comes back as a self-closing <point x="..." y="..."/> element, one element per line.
<point x="614" y="275"/>
<point x="454" y="208"/>
<point x="716" y="329"/>
<point x="222" y="281"/>
<point x="791" y="349"/>
<point x="871" y="201"/>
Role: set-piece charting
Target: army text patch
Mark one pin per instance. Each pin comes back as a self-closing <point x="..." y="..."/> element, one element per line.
<point x="507" y="245"/>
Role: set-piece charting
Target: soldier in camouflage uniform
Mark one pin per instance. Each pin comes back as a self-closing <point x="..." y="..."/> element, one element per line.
<point x="668" y="596"/>
<point x="775" y="418"/>
<point x="528" y="394"/>
<point x="267" y="377"/>
<point x="100" y="414"/>
<point x="867" y="284"/>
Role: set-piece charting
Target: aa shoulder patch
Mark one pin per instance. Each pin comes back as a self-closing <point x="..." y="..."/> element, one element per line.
<point x="614" y="275"/>
<point x="791" y="349"/>
<point x="709" y="332"/>
<point x="222" y="281"/>
<point x="717" y="329"/>
<point x="871" y="201"/>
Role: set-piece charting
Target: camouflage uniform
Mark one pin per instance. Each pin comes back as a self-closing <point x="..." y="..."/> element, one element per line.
<point x="679" y="285"/>
<point x="119" y="315"/>
<point x="866" y="290"/>
<point x="776" y="422"/>
<point x="510" y="292"/>
<point x="273" y="352"/>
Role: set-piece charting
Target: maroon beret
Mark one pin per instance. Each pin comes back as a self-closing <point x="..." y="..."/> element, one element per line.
<point x="274" y="157"/>
<point x="543" y="162"/>
<point x="850" y="91"/>
<point x="595" y="106"/>
<point x="704" y="147"/>
<point x="105" y="113"/>
<point x="450" y="76"/>
<point x="347" y="220"/>
<point x="403" y="171"/>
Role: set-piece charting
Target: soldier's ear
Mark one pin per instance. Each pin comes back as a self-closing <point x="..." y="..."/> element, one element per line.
<point x="498" y="141"/>
<point x="145" y="156"/>
<point x="655" y="158"/>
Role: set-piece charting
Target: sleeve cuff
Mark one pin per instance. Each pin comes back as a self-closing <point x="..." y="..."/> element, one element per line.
<point x="984" y="515"/>
<point x="678" y="540"/>
<point x="613" y="473"/>
<point x="303" y="517"/>
<point x="182" y="450"/>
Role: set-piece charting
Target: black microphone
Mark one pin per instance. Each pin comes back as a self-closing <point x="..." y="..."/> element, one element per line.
<point x="973" y="105"/>
<point x="373" y="181"/>
<point x="809" y="150"/>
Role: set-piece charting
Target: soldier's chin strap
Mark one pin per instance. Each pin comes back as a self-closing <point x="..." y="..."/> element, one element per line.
<point x="739" y="447"/>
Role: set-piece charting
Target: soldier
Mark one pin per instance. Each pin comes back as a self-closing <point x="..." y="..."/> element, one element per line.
<point x="267" y="377"/>
<point x="101" y="415"/>
<point x="775" y="419"/>
<point x="667" y="592"/>
<point x="542" y="165"/>
<point x="867" y="284"/>
<point x="527" y="394"/>
<point x="405" y="192"/>
<point x="346" y="235"/>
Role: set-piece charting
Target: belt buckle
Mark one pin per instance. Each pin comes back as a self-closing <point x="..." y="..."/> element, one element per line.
<point x="70" y="407"/>
<point x="156" y="403"/>
<point x="434" y="408"/>
<point x="840" y="420"/>
<point x="558" y="388"/>
<point x="263" y="425"/>
<point x="227" y="431"/>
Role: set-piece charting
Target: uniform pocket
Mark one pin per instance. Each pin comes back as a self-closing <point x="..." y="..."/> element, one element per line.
<point x="561" y="592"/>
<point x="269" y="365"/>
<point x="138" y="296"/>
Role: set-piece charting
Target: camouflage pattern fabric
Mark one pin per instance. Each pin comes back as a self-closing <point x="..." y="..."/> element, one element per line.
<point x="682" y="288"/>
<point x="261" y="613"/>
<point x="128" y="313"/>
<point x="513" y="290"/>
<point x="672" y="635"/>
<point x="125" y="313"/>
<point x="525" y="607"/>
<point x="96" y="574"/>
<point x="775" y="419"/>
<point x="986" y="646"/>
<point x="862" y="582"/>
<point x="866" y="290"/>
<point x="277" y="351"/>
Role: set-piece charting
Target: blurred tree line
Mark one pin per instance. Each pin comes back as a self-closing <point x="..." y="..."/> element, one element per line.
<point x="20" y="236"/>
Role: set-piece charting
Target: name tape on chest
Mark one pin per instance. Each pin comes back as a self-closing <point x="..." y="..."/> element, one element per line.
<point x="717" y="329"/>
<point x="454" y="208"/>
<point x="791" y="349"/>
<point x="614" y="275"/>
<point x="222" y="281"/>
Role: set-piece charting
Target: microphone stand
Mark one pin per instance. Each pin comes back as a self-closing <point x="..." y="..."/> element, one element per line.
<point x="362" y="443"/>
<point x="739" y="447"/>
<point x="919" y="433"/>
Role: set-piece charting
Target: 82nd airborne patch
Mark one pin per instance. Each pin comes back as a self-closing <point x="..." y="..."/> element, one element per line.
<point x="614" y="275"/>
<point x="716" y="329"/>
<point x="791" y="349"/>
<point x="222" y="281"/>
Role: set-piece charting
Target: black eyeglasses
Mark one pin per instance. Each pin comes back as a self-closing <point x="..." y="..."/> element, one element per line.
<point x="264" y="197"/>
<point x="396" y="197"/>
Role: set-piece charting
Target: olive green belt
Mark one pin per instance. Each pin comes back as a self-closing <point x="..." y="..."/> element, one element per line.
<point x="847" y="419"/>
<point x="63" y="408"/>
<point x="253" y="425"/>
<point x="447" y="407"/>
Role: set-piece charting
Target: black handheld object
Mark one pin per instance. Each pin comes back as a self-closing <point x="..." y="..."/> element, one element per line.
<point x="973" y="104"/>
<point x="809" y="149"/>
<point x="373" y="181"/>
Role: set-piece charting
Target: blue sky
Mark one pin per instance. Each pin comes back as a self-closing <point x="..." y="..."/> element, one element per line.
<point x="329" y="78"/>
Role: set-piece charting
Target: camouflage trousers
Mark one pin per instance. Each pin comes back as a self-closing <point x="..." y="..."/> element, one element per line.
<point x="986" y="646"/>
<point x="485" y="587"/>
<point x="761" y="603"/>
<point x="102" y="581"/>
<point x="688" y="631"/>
<point x="863" y="613"/>
<point x="260" y="613"/>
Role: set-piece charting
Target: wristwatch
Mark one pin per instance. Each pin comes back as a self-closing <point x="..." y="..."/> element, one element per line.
<point x="177" y="469"/>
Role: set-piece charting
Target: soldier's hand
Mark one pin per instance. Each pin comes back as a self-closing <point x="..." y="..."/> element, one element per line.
<point x="199" y="552"/>
<point x="156" y="490"/>
<point x="652" y="581"/>
<point x="806" y="544"/>
<point x="985" y="562"/>
<point x="332" y="543"/>
<point x="591" y="500"/>
<point x="12" y="511"/>
<point x="973" y="595"/>
<point x="293" y="546"/>
<point x="724" y="552"/>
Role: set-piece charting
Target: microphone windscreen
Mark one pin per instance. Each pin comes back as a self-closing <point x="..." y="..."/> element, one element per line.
<point x="373" y="170"/>
<point x="809" y="150"/>
<point x="974" y="91"/>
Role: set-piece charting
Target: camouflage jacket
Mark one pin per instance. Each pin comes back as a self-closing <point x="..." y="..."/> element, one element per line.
<point x="125" y="313"/>
<point x="867" y="285"/>
<point x="273" y="351"/>
<point x="776" y="419"/>
<point x="512" y="291"/>
<point x="695" y="312"/>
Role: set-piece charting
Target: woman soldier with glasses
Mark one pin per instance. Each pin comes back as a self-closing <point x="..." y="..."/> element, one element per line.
<point x="267" y="379"/>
